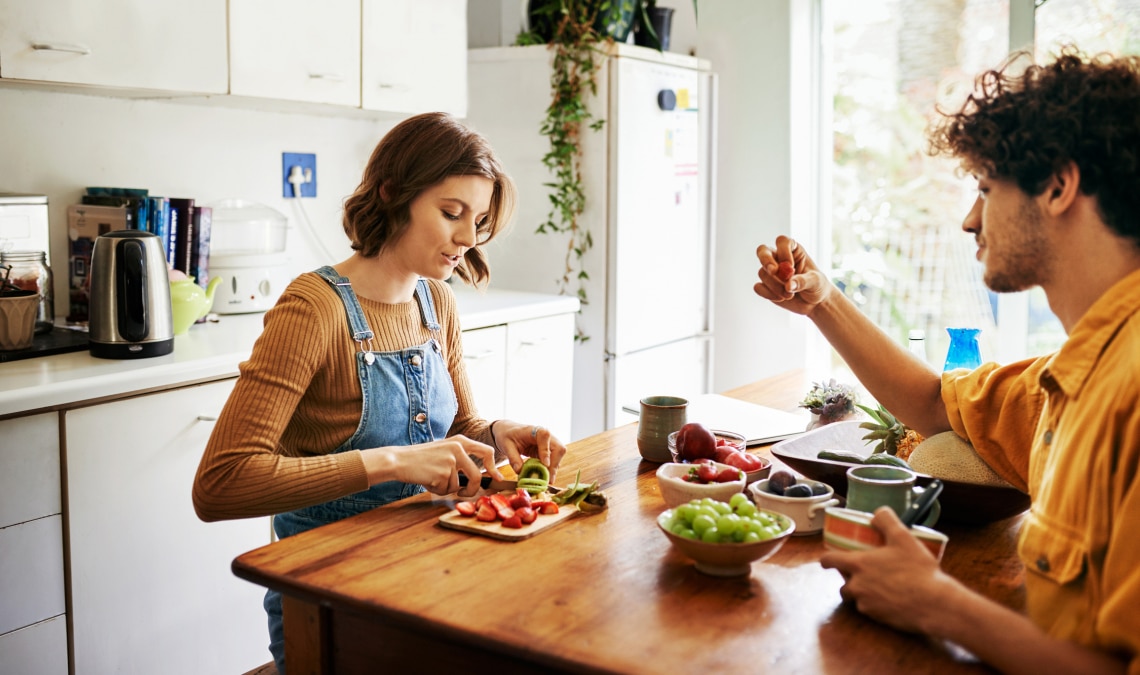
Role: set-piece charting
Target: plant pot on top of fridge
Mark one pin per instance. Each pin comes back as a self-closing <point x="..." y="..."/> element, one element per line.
<point x="653" y="26"/>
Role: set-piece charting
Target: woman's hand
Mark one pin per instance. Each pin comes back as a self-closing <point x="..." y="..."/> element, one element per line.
<point x="517" y="441"/>
<point x="807" y="286"/>
<point x="899" y="583"/>
<point x="435" y="465"/>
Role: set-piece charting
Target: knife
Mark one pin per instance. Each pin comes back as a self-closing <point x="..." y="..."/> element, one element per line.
<point x="489" y="483"/>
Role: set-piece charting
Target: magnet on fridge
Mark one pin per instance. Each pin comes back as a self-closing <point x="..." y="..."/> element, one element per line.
<point x="683" y="99"/>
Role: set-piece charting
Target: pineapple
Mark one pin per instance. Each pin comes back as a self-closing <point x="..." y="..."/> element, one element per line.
<point x="894" y="438"/>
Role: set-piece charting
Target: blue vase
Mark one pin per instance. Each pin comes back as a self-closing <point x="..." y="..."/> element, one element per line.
<point x="963" y="352"/>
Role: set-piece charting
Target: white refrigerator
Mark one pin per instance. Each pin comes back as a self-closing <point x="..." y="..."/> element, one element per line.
<point x="648" y="174"/>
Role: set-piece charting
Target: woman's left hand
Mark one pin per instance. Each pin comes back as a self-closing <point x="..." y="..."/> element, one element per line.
<point x="518" y="441"/>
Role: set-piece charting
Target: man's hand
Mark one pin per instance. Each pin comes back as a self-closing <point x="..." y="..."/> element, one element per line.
<point x="789" y="277"/>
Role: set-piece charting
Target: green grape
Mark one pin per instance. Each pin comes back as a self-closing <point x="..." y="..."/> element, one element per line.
<point x="722" y="508"/>
<point x="711" y="535"/>
<point x="737" y="500"/>
<point x="752" y="537"/>
<point x="686" y="532"/>
<point x="686" y="512"/>
<point x="728" y="524"/>
<point x="708" y="511"/>
<point x="702" y="524"/>
<point x="747" y="509"/>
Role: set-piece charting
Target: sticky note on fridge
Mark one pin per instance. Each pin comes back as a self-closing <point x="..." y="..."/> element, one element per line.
<point x="683" y="99"/>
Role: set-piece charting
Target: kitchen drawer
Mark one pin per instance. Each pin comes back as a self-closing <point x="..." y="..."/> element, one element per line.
<point x="31" y="573"/>
<point x="29" y="468"/>
<point x="40" y="649"/>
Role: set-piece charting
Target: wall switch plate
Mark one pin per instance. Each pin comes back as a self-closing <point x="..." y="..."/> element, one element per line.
<point x="308" y="164"/>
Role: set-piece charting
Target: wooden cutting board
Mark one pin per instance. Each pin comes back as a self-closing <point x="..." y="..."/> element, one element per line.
<point x="454" y="520"/>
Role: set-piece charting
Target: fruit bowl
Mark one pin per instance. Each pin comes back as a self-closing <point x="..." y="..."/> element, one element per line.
<point x="675" y="490"/>
<point x="962" y="503"/>
<point x="728" y="559"/>
<point x="736" y="441"/>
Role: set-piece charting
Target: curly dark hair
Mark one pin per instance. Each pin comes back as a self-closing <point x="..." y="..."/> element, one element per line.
<point x="1027" y="127"/>
<point x="414" y="155"/>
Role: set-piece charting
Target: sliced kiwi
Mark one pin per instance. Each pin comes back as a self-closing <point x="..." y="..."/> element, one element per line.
<point x="534" y="477"/>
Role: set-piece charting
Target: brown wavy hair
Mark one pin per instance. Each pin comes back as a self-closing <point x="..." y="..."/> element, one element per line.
<point x="1027" y="127"/>
<point x="416" y="154"/>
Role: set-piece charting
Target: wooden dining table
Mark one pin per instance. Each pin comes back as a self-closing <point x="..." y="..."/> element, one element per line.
<point x="392" y="591"/>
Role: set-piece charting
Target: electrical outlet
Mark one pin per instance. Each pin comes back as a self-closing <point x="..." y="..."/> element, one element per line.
<point x="308" y="164"/>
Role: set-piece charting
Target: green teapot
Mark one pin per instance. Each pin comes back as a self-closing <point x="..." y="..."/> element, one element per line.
<point x="190" y="302"/>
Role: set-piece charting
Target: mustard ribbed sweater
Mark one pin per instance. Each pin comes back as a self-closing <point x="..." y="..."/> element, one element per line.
<point x="298" y="398"/>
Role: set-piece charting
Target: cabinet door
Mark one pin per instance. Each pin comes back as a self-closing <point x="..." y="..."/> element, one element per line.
<point x="36" y="650"/>
<point x="31" y="573"/>
<point x="296" y="50"/>
<point x="540" y="372"/>
<point x="415" y="56"/>
<point x="29" y="468"/>
<point x="146" y="44"/>
<point x="151" y="586"/>
<point x="485" y="357"/>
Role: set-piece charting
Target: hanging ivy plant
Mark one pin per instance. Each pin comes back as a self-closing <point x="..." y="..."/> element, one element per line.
<point x="577" y="32"/>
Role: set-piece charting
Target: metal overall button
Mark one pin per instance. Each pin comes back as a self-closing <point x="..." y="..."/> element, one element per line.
<point x="369" y="358"/>
<point x="421" y="418"/>
<point x="416" y="360"/>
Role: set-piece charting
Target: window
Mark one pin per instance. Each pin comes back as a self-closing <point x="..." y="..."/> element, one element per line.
<point x="895" y="213"/>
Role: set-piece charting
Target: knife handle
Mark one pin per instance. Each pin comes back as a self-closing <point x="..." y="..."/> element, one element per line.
<point x="484" y="482"/>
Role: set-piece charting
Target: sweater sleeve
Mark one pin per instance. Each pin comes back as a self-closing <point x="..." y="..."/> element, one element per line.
<point x="245" y="470"/>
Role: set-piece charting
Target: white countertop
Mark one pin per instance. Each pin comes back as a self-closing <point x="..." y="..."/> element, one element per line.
<point x="211" y="351"/>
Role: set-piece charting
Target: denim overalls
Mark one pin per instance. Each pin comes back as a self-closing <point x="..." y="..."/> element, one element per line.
<point x="408" y="399"/>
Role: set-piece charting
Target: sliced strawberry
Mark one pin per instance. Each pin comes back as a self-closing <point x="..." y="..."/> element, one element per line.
<point x="527" y="515"/>
<point x="466" y="508"/>
<point x="520" y="500"/>
<point x="707" y="472"/>
<point x="513" y="522"/>
<point x="728" y="475"/>
<point x="786" y="271"/>
<point x="486" y="513"/>
<point x="545" y="508"/>
<point x="483" y="499"/>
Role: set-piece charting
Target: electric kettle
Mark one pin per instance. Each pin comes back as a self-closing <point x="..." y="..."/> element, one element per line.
<point x="130" y="315"/>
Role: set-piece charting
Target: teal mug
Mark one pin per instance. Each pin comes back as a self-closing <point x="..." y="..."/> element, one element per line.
<point x="869" y="487"/>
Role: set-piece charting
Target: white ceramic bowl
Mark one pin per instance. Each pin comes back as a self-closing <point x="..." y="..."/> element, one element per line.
<point x="676" y="491"/>
<point x="807" y="512"/>
<point x="729" y="559"/>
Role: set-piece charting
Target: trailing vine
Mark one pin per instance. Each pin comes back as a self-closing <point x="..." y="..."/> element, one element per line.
<point x="570" y="29"/>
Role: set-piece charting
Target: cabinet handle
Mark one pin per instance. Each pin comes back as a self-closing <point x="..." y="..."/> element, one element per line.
<point x="481" y="355"/>
<point x="392" y="87"/>
<point x="207" y="418"/>
<point x="328" y="77"/>
<point x="61" y="47"/>
<point x="533" y="343"/>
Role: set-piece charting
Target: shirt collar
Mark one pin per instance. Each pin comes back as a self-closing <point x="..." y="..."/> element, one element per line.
<point x="1070" y="366"/>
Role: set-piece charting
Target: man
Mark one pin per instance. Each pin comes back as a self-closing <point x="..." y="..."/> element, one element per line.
<point x="1056" y="153"/>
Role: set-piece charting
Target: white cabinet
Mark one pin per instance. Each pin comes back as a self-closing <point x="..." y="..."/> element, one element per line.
<point x="414" y="56"/>
<point x="151" y="586"/>
<point x="296" y="50"/>
<point x="485" y="357"/>
<point x="523" y="371"/>
<point x="131" y="44"/>
<point x="33" y="636"/>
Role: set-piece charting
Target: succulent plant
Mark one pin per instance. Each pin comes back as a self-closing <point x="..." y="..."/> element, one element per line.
<point x="831" y="401"/>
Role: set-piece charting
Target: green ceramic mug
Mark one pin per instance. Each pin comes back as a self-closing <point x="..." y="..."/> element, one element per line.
<point x="869" y="487"/>
<point x="660" y="416"/>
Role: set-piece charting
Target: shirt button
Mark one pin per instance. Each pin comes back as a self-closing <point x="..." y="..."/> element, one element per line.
<point x="416" y="360"/>
<point x="1043" y="564"/>
<point x="1048" y="438"/>
<point x="421" y="418"/>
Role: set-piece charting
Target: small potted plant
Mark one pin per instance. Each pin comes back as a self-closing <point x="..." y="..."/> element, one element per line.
<point x="830" y="402"/>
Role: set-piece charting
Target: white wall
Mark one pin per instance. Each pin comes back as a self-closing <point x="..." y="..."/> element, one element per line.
<point x="58" y="143"/>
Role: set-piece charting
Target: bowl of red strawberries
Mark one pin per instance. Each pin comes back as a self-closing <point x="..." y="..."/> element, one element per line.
<point x="694" y="442"/>
<point x="681" y="483"/>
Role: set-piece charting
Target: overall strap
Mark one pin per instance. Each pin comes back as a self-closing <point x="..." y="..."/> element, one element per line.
<point x="427" y="306"/>
<point x="361" y="333"/>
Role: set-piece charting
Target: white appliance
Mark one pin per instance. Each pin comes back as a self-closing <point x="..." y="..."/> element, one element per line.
<point x="649" y="187"/>
<point x="247" y="250"/>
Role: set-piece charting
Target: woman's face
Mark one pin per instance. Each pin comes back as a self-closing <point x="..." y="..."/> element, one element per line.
<point x="444" y="220"/>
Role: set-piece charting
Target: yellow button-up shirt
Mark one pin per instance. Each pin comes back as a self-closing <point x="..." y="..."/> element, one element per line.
<point x="1066" y="429"/>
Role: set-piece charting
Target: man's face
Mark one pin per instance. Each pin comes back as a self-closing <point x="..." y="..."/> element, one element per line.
<point x="1008" y="228"/>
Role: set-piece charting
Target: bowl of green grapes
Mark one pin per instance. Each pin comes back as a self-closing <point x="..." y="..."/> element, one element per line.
<point x="724" y="538"/>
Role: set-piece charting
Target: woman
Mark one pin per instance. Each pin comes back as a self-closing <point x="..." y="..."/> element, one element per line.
<point x="355" y="394"/>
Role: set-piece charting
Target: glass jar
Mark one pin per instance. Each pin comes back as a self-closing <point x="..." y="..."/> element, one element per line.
<point x="30" y="272"/>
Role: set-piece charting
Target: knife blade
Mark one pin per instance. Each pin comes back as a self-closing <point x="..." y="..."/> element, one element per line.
<point x="489" y="483"/>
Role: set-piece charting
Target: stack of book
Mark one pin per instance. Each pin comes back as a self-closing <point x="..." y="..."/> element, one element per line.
<point x="183" y="226"/>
